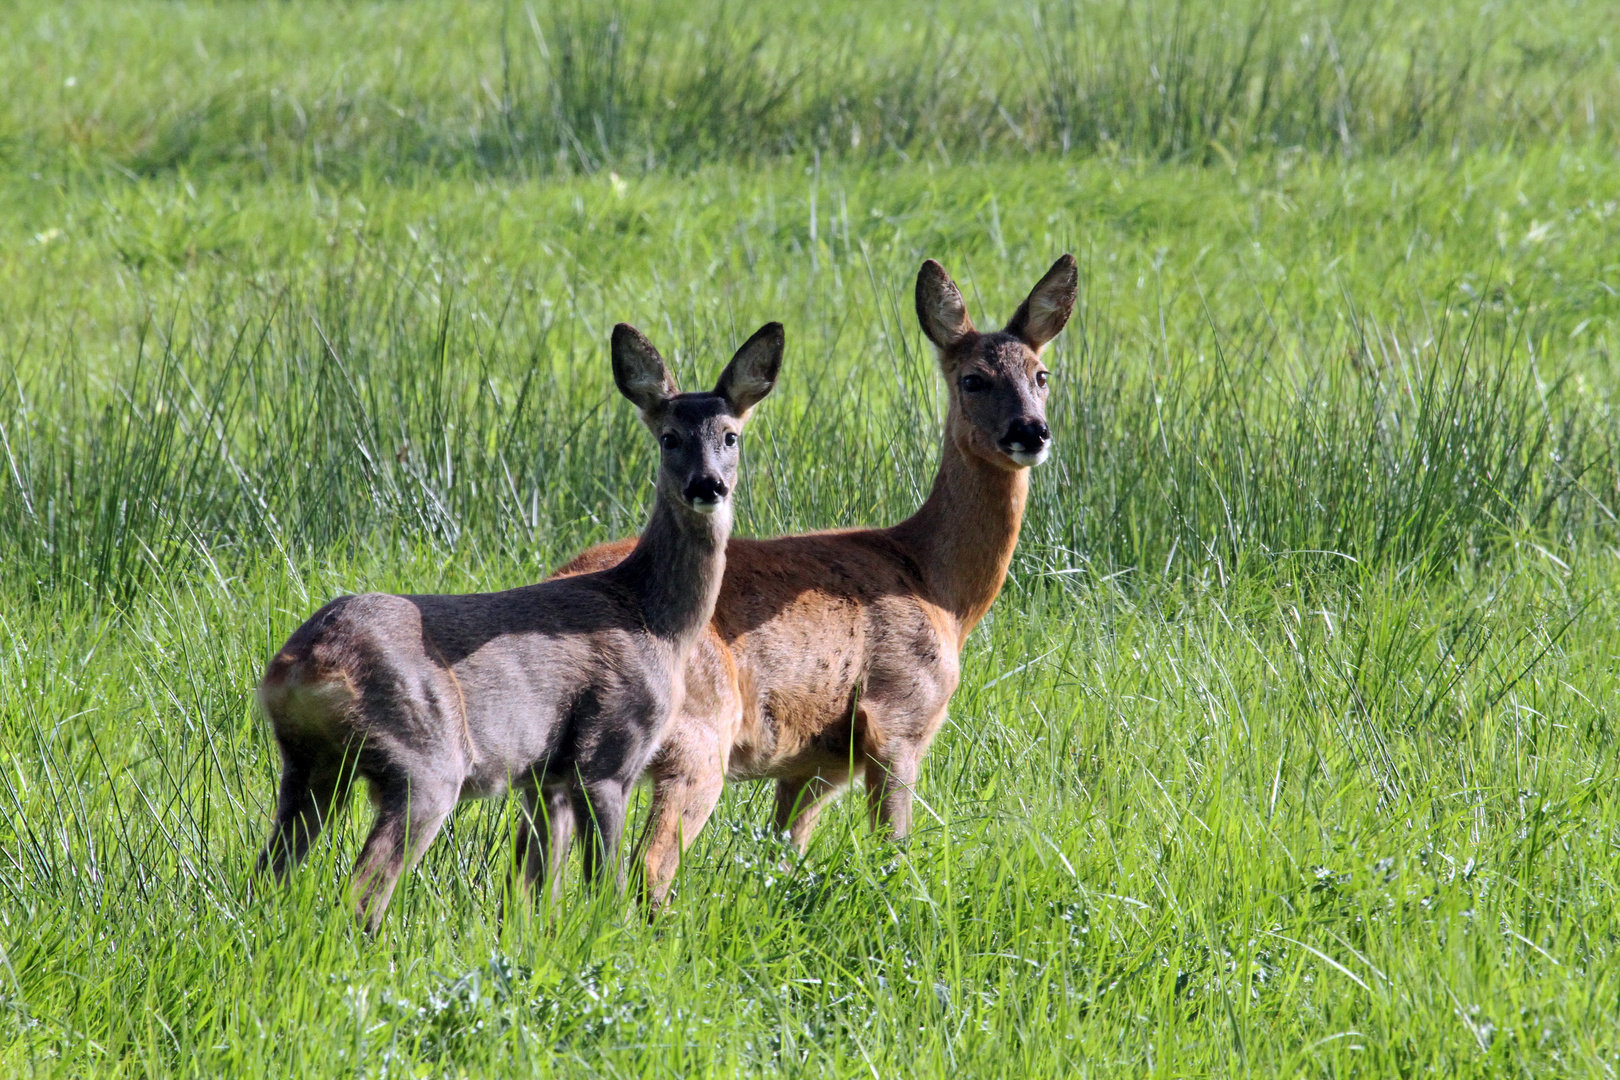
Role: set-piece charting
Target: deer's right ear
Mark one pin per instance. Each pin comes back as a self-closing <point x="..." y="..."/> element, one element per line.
<point x="639" y="371"/>
<point x="752" y="372"/>
<point x="940" y="309"/>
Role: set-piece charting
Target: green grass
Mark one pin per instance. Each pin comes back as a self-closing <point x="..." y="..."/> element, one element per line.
<point x="1287" y="747"/>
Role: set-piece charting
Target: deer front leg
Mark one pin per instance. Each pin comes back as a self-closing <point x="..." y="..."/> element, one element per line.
<point x="600" y="806"/>
<point x="682" y="801"/>
<point x="545" y="829"/>
<point x="895" y="741"/>
<point x="889" y="783"/>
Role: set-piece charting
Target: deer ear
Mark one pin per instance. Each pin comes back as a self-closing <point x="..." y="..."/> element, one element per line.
<point x="639" y="371"/>
<point x="752" y="371"/>
<point x="940" y="309"/>
<point x="1045" y="311"/>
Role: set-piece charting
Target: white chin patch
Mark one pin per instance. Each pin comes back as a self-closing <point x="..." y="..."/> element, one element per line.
<point x="1030" y="460"/>
<point x="703" y="506"/>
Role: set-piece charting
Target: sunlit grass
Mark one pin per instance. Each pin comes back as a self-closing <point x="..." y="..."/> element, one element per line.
<point x="1286" y="748"/>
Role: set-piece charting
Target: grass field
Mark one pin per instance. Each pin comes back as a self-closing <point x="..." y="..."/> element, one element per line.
<point x="1287" y="747"/>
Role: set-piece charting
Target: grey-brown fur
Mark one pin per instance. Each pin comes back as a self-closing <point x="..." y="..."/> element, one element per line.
<point x="560" y="689"/>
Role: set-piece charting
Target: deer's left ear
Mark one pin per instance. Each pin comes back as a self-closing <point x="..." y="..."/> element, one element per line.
<point x="752" y="371"/>
<point x="1046" y="310"/>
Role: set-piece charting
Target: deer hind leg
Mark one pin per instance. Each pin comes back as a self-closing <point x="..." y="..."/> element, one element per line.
<point x="408" y="818"/>
<point x="544" y="832"/>
<point x="683" y="799"/>
<point x="800" y="801"/>
<point x="312" y="794"/>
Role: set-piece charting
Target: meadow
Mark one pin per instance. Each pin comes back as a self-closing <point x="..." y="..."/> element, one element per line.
<point x="1287" y="747"/>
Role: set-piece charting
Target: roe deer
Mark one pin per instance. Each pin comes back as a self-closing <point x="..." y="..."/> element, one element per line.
<point x="561" y="689"/>
<point x="840" y="648"/>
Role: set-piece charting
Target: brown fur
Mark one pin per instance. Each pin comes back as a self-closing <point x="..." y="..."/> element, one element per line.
<point x="838" y="651"/>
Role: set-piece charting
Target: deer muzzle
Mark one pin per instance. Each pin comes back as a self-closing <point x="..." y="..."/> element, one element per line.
<point x="705" y="493"/>
<point x="1027" y="441"/>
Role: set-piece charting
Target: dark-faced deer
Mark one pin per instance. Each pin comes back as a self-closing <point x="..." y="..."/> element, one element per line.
<point x="560" y="689"/>
<point x="839" y="649"/>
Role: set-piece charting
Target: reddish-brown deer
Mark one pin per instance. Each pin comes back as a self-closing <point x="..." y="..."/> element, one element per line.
<point x="560" y="689"/>
<point x="839" y="649"/>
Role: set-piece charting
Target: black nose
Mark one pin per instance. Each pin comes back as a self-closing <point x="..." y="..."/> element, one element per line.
<point x="1026" y="436"/>
<point x="705" y="489"/>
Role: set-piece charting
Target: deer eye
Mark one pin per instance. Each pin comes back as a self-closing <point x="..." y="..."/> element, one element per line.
<point x="731" y="438"/>
<point x="973" y="384"/>
<point x="1040" y="378"/>
<point x="669" y="440"/>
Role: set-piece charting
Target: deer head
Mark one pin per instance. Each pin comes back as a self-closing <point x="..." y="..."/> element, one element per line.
<point x="997" y="381"/>
<point x="698" y="433"/>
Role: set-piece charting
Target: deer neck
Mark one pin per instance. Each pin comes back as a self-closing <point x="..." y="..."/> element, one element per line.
<point x="964" y="534"/>
<point x="675" y="571"/>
